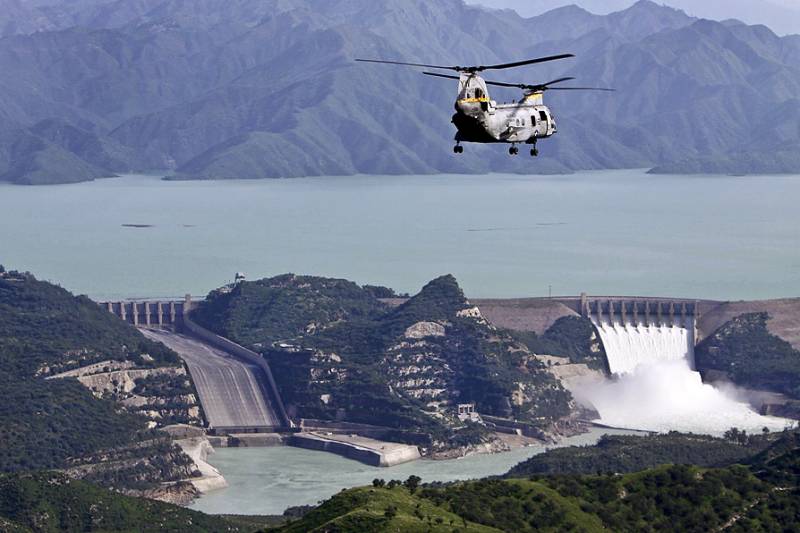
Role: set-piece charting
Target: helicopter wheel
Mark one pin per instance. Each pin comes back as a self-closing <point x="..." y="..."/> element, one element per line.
<point x="513" y="150"/>
<point x="458" y="149"/>
<point x="534" y="152"/>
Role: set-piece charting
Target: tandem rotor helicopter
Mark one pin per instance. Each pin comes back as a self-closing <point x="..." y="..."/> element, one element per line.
<point x="479" y="119"/>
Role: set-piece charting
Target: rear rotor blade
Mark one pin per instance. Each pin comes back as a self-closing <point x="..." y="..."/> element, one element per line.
<point x="559" y="80"/>
<point x="581" y="89"/>
<point x="522" y="63"/>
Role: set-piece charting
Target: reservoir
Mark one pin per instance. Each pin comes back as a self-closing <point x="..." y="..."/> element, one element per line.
<point x="604" y="233"/>
<point x="609" y="232"/>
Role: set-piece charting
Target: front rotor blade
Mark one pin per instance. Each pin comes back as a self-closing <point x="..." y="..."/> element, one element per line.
<point x="407" y="64"/>
<point x="448" y="76"/>
<point x="525" y="62"/>
<point x="501" y="84"/>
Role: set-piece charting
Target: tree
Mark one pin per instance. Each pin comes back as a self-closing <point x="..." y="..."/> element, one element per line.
<point x="390" y="512"/>
<point x="393" y="483"/>
<point x="378" y="483"/>
<point x="412" y="483"/>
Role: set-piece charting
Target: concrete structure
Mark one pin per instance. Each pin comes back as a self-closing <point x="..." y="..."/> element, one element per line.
<point x="235" y="385"/>
<point x="159" y="314"/>
<point x="233" y="397"/>
<point x="368" y="451"/>
<point x="644" y="311"/>
<point x="466" y="411"/>
<point x="538" y="314"/>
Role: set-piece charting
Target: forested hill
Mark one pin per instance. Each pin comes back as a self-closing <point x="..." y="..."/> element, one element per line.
<point x="47" y="501"/>
<point x="53" y="348"/>
<point x="268" y="88"/>
<point x="338" y="353"/>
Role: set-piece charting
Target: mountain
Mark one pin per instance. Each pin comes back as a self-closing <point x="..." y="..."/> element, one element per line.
<point x="782" y="16"/>
<point x="338" y="353"/>
<point x="83" y="391"/>
<point x="269" y="89"/>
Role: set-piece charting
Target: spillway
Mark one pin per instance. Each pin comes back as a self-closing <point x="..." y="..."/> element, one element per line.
<point x="630" y="343"/>
<point x="654" y="387"/>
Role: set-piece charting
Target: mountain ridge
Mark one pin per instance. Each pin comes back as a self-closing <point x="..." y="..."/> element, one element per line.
<point x="270" y="89"/>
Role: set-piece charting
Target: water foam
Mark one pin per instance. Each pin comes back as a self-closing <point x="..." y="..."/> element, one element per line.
<point x="655" y="387"/>
<point x="669" y="396"/>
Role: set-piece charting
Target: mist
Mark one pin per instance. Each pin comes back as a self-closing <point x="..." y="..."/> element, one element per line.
<point x="668" y="395"/>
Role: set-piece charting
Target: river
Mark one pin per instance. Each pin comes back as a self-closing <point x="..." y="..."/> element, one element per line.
<point x="609" y="232"/>
<point x="268" y="480"/>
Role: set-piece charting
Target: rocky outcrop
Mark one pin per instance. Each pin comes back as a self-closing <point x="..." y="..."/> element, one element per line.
<point x="210" y="478"/>
<point x="420" y="330"/>
<point x="164" y="395"/>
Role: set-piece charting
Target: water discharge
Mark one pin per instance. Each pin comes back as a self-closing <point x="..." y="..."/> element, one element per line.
<point x="630" y="345"/>
<point x="656" y="388"/>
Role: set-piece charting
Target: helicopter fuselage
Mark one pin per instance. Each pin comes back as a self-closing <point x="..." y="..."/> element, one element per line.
<point x="480" y="119"/>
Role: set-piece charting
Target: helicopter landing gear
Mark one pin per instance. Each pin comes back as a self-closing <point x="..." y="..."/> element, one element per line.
<point x="513" y="150"/>
<point x="534" y="152"/>
<point x="458" y="149"/>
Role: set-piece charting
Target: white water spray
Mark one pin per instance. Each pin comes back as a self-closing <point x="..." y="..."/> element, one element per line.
<point x="655" y="387"/>
<point x="629" y="345"/>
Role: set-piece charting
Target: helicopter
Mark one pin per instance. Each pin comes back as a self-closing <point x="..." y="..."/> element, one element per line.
<point x="479" y="119"/>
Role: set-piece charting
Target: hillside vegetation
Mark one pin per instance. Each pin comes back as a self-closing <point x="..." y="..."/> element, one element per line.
<point x="46" y="501"/>
<point x="614" y="454"/>
<point x="218" y="89"/>
<point x="745" y="350"/>
<point x="59" y="422"/>
<point x="340" y="354"/>
<point x="569" y="336"/>
<point x="762" y="496"/>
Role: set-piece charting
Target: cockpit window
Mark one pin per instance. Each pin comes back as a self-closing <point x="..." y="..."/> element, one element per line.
<point x="478" y="93"/>
<point x="543" y="116"/>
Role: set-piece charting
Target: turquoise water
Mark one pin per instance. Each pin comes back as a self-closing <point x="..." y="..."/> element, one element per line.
<point x="268" y="480"/>
<point x="610" y="232"/>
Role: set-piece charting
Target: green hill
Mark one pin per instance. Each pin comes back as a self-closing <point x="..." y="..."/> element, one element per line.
<point x="48" y="421"/>
<point x="50" y="502"/>
<point x="614" y="454"/>
<point x="759" y="497"/>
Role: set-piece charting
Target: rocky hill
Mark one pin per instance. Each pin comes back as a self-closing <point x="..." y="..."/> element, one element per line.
<point x="267" y="89"/>
<point x="84" y="392"/>
<point x="340" y="354"/>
